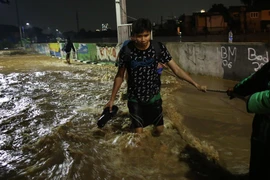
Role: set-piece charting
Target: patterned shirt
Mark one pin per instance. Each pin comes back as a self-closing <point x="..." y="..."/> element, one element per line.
<point x="143" y="78"/>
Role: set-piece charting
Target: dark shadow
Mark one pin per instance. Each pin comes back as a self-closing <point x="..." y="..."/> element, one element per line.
<point x="203" y="169"/>
<point x="8" y="174"/>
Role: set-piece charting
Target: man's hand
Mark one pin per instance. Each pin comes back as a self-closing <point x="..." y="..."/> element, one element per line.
<point x="230" y="93"/>
<point x="110" y="105"/>
<point x="201" y="88"/>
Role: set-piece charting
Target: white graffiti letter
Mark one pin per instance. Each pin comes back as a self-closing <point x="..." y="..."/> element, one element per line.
<point x="266" y="58"/>
<point x="223" y="52"/>
<point x="232" y="53"/>
<point x="251" y="54"/>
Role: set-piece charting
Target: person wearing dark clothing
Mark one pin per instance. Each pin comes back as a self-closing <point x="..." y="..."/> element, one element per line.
<point x="144" y="99"/>
<point x="256" y="90"/>
<point x="67" y="48"/>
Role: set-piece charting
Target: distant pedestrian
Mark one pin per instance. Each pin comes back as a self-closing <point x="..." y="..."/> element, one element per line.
<point x="179" y="33"/>
<point x="67" y="48"/>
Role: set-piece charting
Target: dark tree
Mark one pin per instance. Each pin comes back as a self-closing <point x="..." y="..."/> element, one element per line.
<point x="256" y="3"/>
<point x="4" y="1"/>
<point x="221" y="9"/>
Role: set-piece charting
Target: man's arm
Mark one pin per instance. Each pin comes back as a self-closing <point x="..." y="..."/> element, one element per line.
<point x="178" y="30"/>
<point x="180" y="73"/>
<point x="118" y="80"/>
<point x="72" y="46"/>
<point x="259" y="102"/>
<point x="256" y="82"/>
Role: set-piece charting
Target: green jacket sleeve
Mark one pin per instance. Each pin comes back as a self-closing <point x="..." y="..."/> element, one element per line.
<point x="259" y="103"/>
<point x="256" y="82"/>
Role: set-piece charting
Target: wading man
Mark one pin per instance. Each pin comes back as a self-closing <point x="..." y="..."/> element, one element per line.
<point x="144" y="100"/>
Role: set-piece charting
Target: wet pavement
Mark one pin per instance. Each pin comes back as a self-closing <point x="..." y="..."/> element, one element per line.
<point x="214" y="118"/>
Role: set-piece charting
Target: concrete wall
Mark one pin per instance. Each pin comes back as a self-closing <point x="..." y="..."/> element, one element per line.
<point x="85" y="52"/>
<point x="232" y="61"/>
<point x="229" y="61"/>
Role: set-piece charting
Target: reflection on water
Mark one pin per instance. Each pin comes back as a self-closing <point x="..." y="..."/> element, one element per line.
<point x="48" y="115"/>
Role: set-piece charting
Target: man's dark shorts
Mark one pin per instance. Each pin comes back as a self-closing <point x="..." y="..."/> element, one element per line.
<point x="143" y="115"/>
<point x="68" y="55"/>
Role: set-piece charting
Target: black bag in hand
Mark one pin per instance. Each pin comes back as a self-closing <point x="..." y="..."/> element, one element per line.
<point x="106" y="116"/>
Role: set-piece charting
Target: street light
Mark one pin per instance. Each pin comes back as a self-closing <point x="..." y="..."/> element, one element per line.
<point x="58" y="35"/>
<point x="24" y="29"/>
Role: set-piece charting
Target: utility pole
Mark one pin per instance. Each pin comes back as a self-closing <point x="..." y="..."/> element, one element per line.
<point x="123" y="12"/>
<point x="118" y="15"/>
<point x="121" y="21"/>
<point x="18" y="22"/>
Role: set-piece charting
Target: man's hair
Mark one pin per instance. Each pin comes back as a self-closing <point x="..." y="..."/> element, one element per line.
<point x="141" y="25"/>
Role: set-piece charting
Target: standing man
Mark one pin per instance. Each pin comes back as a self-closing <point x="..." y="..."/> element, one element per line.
<point x="256" y="89"/>
<point x="67" y="48"/>
<point x="144" y="100"/>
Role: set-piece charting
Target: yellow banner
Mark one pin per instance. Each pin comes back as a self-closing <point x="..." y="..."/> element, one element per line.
<point x="54" y="47"/>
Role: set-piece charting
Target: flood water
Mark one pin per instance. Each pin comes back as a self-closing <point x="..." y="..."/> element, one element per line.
<point x="48" y="116"/>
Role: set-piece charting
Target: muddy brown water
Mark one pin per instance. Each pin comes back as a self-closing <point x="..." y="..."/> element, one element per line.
<point x="48" y="115"/>
<point x="216" y="119"/>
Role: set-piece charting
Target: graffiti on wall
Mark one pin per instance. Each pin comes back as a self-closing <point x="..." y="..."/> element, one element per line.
<point x="41" y="48"/>
<point x="257" y="59"/>
<point x="55" y="49"/>
<point x="195" y="52"/>
<point x="107" y="53"/>
<point x="86" y="51"/>
<point x="82" y="49"/>
<point x="228" y="55"/>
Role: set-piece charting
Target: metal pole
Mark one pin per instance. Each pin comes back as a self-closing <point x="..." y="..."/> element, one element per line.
<point x="18" y="22"/>
<point x="123" y="12"/>
<point x="118" y="19"/>
<point x="121" y="18"/>
<point x="124" y="32"/>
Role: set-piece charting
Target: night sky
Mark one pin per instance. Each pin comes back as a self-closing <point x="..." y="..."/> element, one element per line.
<point x="61" y="14"/>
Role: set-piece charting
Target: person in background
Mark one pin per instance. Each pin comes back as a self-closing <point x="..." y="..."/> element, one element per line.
<point x="67" y="48"/>
<point x="256" y="91"/>
<point x="178" y="30"/>
<point x="144" y="99"/>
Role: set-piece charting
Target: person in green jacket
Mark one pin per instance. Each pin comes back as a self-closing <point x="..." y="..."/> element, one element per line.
<point x="256" y="90"/>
